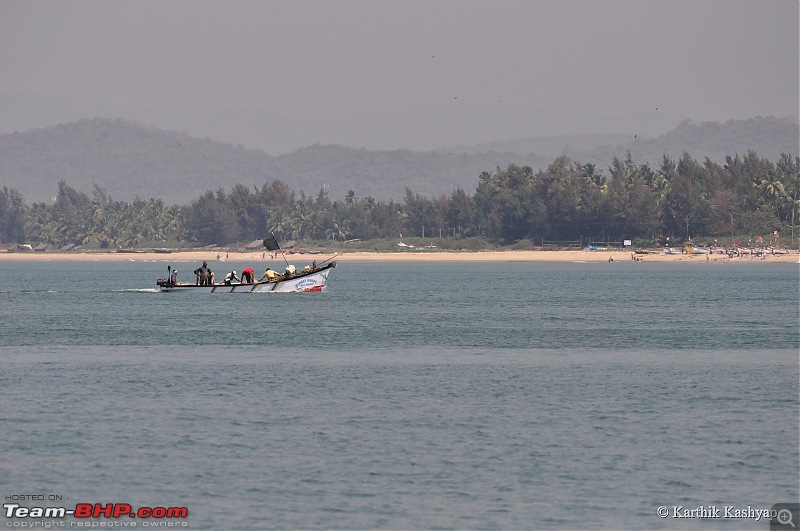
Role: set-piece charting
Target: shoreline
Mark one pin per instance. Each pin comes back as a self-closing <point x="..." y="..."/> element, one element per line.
<point x="301" y="259"/>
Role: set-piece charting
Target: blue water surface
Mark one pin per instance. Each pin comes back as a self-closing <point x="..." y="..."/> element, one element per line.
<point x="411" y="395"/>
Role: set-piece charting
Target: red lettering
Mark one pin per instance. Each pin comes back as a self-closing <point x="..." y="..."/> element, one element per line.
<point x="103" y="510"/>
<point x="177" y="512"/>
<point x="121" y="509"/>
<point x="83" y="510"/>
<point x="115" y="510"/>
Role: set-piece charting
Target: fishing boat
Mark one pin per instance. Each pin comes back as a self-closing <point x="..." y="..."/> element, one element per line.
<point x="693" y="249"/>
<point x="309" y="279"/>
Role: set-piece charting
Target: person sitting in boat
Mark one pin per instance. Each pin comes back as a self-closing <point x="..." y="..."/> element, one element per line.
<point x="230" y="277"/>
<point x="290" y="269"/>
<point x="203" y="274"/>
<point x="247" y="275"/>
<point x="269" y="274"/>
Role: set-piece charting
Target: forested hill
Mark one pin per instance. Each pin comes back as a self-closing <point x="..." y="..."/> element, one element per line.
<point x="130" y="160"/>
<point x="766" y="136"/>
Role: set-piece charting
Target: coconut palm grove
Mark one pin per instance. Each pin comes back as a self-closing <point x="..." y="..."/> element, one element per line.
<point x="567" y="203"/>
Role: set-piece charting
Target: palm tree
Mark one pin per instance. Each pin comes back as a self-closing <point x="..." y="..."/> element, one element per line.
<point x="773" y="193"/>
<point x="771" y="188"/>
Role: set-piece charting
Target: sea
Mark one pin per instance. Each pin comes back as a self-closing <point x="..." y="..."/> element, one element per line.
<point x="514" y="395"/>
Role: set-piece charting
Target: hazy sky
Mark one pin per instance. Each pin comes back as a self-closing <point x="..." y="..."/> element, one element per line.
<point x="326" y="60"/>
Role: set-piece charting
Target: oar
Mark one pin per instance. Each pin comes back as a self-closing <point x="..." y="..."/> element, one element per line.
<point x="331" y="258"/>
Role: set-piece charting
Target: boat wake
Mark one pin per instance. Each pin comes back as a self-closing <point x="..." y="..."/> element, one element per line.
<point x="138" y="290"/>
<point x="38" y="291"/>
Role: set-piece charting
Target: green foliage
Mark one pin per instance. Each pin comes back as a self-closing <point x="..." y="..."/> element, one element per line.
<point x="13" y="214"/>
<point x="129" y="160"/>
<point x="567" y="201"/>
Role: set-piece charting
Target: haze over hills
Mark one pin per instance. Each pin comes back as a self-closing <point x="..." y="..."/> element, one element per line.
<point x="132" y="160"/>
<point x="373" y="95"/>
<point x="423" y="128"/>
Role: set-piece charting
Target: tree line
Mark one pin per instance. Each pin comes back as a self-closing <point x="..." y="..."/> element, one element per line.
<point x="567" y="201"/>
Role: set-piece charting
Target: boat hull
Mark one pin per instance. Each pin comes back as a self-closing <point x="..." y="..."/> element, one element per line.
<point x="313" y="281"/>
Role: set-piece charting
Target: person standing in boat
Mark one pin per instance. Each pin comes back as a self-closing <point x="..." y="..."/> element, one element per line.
<point x="203" y="274"/>
<point x="247" y="275"/>
<point x="173" y="278"/>
<point x="230" y="277"/>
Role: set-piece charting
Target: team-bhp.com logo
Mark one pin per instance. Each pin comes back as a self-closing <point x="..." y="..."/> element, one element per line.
<point x="95" y="510"/>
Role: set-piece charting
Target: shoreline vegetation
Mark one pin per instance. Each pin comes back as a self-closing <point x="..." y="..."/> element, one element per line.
<point x="566" y="206"/>
<point x="301" y="258"/>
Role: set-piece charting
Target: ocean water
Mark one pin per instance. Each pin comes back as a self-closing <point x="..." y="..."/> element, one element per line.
<point x="513" y="395"/>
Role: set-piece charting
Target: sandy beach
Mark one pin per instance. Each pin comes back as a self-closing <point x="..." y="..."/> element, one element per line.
<point x="301" y="259"/>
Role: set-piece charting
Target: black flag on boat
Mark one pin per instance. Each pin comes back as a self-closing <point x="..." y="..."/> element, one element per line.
<point x="271" y="243"/>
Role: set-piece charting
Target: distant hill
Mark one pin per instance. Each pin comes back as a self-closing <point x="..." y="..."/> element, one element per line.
<point x="386" y="174"/>
<point x="549" y="146"/>
<point x="126" y="159"/>
<point x="421" y="128"/>
<point x="130" y="159"/>
<point x="766" y="136"/>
